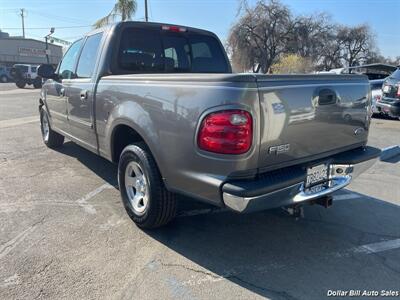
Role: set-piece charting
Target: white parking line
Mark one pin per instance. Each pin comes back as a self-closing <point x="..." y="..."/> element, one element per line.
<point x="18" y="121"/>
<point x="83" y="202"/>
<point x="11" y="244"/>
<point x="19" y="91"/>
<point x="378" y="247"/>
<point x="346" y="197"/>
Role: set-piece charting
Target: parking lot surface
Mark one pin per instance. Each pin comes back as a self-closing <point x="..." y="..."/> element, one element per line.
<point x="64" y="232"/>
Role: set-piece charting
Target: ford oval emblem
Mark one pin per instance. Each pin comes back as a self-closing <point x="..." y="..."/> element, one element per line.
<point x="359" y="131"/>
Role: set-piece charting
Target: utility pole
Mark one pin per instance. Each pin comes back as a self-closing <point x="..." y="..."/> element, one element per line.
<point x="23" y="23"/>
<point x="146" y="15"/>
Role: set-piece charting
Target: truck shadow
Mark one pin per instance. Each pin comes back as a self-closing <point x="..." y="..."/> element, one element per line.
<point x="275" y="256"/>
<point x="98" y="165"/>
<point x="270" y="253"/>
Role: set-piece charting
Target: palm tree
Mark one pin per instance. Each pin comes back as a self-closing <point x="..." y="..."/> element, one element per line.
<point x="123" y="8"/>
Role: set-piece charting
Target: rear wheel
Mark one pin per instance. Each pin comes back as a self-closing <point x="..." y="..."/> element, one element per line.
<point x="37" y="83"/>
<point x="143" y="193"/>
<point x="51" y="138"/>
<point x="20" y="83"/>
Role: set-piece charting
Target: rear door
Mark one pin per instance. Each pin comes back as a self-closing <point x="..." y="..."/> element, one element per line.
<point x="303" y="117"/>
<point x="56" y="89"/>
<point x="80" y="93"/>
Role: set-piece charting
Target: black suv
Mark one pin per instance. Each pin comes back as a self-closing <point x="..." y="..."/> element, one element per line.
<point x="390" y="102"/>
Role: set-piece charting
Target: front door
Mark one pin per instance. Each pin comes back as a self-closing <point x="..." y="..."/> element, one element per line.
<point x="56" y="98"/>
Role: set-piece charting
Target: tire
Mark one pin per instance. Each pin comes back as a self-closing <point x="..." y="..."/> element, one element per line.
<point x="154" y="205"/>
<point x="3" y="79"/>
<point x="51" y="138"/>
<point x="21" y="84"/>
<point x="37" y="84"/>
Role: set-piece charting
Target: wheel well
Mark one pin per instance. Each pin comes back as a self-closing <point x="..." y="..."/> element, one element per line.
<point x="123" y="136"/>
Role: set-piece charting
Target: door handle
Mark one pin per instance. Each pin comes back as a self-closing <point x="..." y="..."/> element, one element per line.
<point x="62" y="92"/>
<point x="84" y="95"/>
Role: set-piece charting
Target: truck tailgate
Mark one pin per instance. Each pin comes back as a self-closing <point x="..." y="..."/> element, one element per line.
<point x="304" y="117"/>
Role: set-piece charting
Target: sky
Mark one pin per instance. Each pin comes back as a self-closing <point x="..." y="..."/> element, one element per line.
<point x="72" y="18"/>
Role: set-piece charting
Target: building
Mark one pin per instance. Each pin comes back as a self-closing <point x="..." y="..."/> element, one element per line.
<point x="17" y="50"/>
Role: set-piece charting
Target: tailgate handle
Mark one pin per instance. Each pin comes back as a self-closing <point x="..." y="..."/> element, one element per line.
<point x="327" y="97"/>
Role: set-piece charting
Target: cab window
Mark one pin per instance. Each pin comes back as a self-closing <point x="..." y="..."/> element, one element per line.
<point x="87" y="59"/>
<point x="66" y="70"/>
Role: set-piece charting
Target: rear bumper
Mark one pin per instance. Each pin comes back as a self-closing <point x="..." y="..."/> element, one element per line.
<point x="392" y="110"/>
<point x="286" y="187"/>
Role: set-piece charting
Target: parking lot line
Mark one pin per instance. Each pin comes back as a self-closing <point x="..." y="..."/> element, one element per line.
<point x="378" y="247"/>
<point x="83" y="202"/>
<point x="18" y="121"/>
<point x="19" y="91"/>
<point x="347" y="196"/>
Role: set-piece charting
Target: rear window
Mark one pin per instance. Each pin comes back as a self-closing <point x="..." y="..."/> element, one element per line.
<point x="376" y="86"/>
<point x="155" y="51"/>
<point x="24" y="69"/>
<point x="396" y="74"/>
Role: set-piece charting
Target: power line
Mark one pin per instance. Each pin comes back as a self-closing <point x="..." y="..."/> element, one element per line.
<point x="41" y="28"/>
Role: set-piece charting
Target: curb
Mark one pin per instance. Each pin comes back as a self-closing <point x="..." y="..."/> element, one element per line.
<point x="390" y="152"/>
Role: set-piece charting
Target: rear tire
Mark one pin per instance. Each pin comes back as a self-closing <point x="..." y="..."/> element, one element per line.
<point x="21" y="84"/>
<point x="51" y="138"/>
<point x="146" y="200"/>
<point x="37" y="84"/>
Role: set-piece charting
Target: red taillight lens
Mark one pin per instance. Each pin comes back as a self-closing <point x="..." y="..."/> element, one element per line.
<point x="398" y="91"/>
<point x="173" y="28"/>
<point x="226" y="132"/>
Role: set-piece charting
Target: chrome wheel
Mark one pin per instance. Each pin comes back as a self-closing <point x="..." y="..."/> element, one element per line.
<point x="45" y="127"/>
<point x="136" y="187"/>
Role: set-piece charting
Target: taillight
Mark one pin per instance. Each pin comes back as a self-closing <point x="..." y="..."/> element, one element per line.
<point x="226" y="132"/>
<point x="398" y="91"/>
<point x="378" y="98"/>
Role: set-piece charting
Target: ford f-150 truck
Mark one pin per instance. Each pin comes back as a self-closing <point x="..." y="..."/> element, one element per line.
<point x="162" y="102"/>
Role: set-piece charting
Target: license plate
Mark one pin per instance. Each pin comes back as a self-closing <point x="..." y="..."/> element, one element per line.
<point x="317" y="174"/>
<point x="386" y="89"/>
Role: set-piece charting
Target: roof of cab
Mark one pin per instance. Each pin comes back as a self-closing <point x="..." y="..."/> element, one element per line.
<point x="153" y="25"/>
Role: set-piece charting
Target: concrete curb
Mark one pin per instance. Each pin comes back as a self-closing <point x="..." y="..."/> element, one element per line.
<point x="390" y="152"/>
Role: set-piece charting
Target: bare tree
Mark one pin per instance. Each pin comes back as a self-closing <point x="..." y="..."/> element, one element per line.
<point x="356" y="43"/>
<point x="260" y="36"/>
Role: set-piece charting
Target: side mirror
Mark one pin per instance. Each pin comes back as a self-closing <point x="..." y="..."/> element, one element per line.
<point x="46" y="71"/>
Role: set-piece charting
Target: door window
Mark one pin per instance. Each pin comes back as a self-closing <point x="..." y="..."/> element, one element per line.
<point x="66" y="69"/>
<point x="87" y="59"/>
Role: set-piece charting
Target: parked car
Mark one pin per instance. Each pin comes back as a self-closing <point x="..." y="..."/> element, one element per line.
<point x="5" y="74"/>
<point x="376" y="93"/>
<point x="26" y="74"/>
<point x="162" y="102"/>
<point x="390" y="102"/>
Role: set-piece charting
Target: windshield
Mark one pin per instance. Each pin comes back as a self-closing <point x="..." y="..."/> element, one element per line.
<point x="150" y="51"/>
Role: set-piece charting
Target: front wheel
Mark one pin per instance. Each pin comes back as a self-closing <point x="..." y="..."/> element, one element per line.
<point x="145" y="198"/>
<point x="51" y="138"/>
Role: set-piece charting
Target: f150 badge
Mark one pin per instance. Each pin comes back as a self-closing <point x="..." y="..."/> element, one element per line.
<point x="279" y="149"/>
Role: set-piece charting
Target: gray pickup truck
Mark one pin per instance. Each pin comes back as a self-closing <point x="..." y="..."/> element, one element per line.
<point x="162" y="102"/>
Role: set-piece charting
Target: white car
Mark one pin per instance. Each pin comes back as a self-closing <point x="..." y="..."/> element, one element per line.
<point x="376" y="93"/>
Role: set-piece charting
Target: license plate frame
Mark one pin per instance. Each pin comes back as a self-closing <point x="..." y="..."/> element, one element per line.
<point x="317" y="174"/>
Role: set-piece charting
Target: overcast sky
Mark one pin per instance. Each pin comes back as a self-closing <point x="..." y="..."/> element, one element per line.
<point x="214" y="15"/>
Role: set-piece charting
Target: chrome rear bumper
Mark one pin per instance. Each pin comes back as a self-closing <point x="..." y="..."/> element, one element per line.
<point x="296" y="193"/>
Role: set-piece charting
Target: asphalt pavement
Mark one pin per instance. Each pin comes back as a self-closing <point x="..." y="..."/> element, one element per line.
<point x="64" y="233"/>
